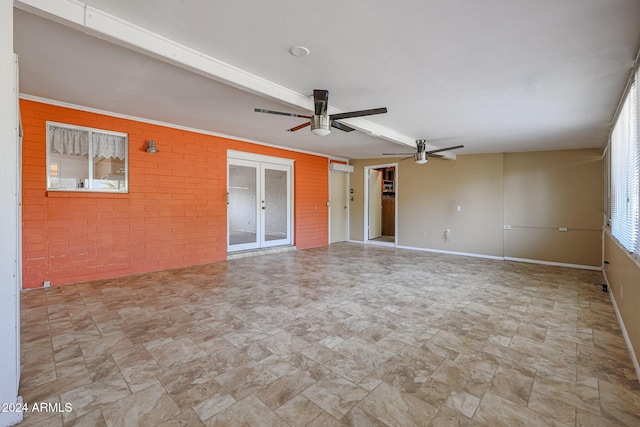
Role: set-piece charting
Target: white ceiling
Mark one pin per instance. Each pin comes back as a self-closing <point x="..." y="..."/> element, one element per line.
<point x="494" y="75"/>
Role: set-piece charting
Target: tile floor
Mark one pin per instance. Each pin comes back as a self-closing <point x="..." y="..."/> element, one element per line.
<point x="345" y="334"/>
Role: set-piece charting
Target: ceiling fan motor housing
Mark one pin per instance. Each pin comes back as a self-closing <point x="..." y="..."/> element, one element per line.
<point x="421" y="157"/>
<point x="321" y="125"/>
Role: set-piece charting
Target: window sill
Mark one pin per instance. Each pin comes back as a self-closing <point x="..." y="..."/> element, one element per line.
<point x="85" y="193"/>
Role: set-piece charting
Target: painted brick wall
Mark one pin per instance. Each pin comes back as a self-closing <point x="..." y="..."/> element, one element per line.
<point x="173" y="216"/>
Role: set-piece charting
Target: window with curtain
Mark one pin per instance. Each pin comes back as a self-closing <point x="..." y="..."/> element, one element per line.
<point x="86" y="159"/>
<point x="625" y="174"/>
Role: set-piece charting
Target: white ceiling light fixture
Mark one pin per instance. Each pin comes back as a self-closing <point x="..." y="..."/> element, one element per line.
<point x="299" y="51"/>
<point x="421" y="158"/>
<point x="320" y="125"/>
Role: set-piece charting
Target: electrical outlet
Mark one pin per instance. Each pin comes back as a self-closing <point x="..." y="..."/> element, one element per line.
<point x="563" y="229"/>
<point x="46" y="284"/>
<point x="507" y="227"/>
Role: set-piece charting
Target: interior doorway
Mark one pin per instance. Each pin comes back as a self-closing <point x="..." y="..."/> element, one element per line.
<point x="380" y="204"/>
<point x="375" y="204"/>
<point x="259" y="201"/>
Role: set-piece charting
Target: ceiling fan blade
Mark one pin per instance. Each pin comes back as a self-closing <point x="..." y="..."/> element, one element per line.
<point x="320" y="101"/>
<point x="407" y="158"/>
<point x="341" y="126"/>
<point x="397" y="154"/>
<point x="280" y="113"/>
<point x="359" y="113"/>
<point x="304" y="125"/>
<point x="444" y="149"/>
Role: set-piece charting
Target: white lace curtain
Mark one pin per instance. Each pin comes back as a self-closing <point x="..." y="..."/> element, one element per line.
<point x="105" y="145"/>
<point x="76" y="142"/>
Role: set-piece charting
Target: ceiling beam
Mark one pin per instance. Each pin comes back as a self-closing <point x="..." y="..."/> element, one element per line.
<point x="103" y="25"/>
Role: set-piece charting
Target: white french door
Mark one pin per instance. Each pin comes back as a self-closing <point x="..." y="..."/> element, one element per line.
<point x="259" y="202"/>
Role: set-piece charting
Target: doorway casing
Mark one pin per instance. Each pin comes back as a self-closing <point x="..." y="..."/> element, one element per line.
<point x="367" y="170"/>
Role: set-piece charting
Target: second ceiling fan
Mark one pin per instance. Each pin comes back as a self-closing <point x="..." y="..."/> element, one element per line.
<point x="421" y="156"/>
<point x="321" y="122"/>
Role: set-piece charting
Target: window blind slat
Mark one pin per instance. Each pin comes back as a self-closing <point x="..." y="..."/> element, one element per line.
<point x="625" y="174"/>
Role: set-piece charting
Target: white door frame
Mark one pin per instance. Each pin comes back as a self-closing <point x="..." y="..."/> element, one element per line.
<point x="256" y="206"/>
<point x="347" y="204"/>
<point x="289" y="212"/>
<point x="366" y="204"/>
<point x="262" y="162"/>
<point x="375" y="204"/>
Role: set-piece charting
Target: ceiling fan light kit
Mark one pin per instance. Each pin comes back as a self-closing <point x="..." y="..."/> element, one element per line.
<point x="421" y="158"/>
<point x="320" y="125"/>
<point x="321" y="122"/>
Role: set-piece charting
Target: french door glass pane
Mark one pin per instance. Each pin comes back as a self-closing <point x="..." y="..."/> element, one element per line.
<point x="275" y="203"/>
<point x="242" y="205"/>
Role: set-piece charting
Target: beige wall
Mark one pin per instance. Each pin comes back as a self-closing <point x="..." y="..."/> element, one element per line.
<point x="623" y="275"/>
<point x="429" y="195"/>
<point x="535" y="193"/>
<point x="546" y="190"/>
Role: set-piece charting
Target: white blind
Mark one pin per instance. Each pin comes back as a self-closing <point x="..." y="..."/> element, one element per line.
<point x="625" y="174"/>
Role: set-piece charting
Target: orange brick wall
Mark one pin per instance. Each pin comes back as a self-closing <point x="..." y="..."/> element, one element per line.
<point x="173" y="216"/>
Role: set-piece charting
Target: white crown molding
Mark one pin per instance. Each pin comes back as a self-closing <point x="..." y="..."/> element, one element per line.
<point x="169" y="125"/>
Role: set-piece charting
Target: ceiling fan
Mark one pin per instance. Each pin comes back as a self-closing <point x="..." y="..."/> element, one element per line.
<point x="321" y="122"/>
<point x="421" y="155"/>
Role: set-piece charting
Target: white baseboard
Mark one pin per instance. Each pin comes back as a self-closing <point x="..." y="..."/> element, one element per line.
<point x="555" y="264"/>
<point x="499" y="258"/>
<point x="632" y="353"/>
<point x="440" y="251"/>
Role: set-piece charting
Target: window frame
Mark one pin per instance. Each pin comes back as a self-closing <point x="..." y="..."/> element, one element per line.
<point x="622" y="164"/>
<point x="91" y="131"/>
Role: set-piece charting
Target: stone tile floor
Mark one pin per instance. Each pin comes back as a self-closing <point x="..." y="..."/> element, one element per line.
<point x="345" y="334"/>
